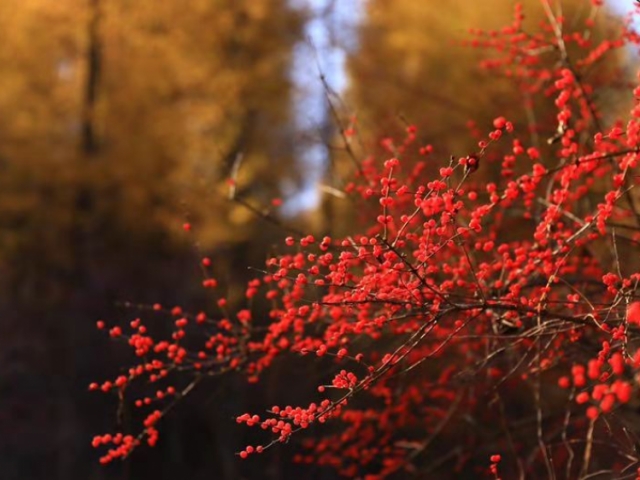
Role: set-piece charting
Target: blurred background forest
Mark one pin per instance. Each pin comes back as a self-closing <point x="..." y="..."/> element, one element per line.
<point x="120" y="120"/>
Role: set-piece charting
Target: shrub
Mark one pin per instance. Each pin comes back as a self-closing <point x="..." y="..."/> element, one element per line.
<point x="469" y="327"/>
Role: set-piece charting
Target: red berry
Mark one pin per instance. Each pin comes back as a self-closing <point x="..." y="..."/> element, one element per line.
<point x="633" y="313"/>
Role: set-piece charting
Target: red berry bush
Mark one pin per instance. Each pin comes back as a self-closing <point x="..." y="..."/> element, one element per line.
<point x="486" y="325"/>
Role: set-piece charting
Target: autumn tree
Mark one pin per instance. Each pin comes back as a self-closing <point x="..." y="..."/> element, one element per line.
<point x="119" y="122"/>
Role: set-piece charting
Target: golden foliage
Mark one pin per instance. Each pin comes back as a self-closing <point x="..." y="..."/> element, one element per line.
<point x="177" y="94"/>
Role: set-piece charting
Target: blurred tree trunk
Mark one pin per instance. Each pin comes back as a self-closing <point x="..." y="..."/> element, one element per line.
<point x="94" y="59"/>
